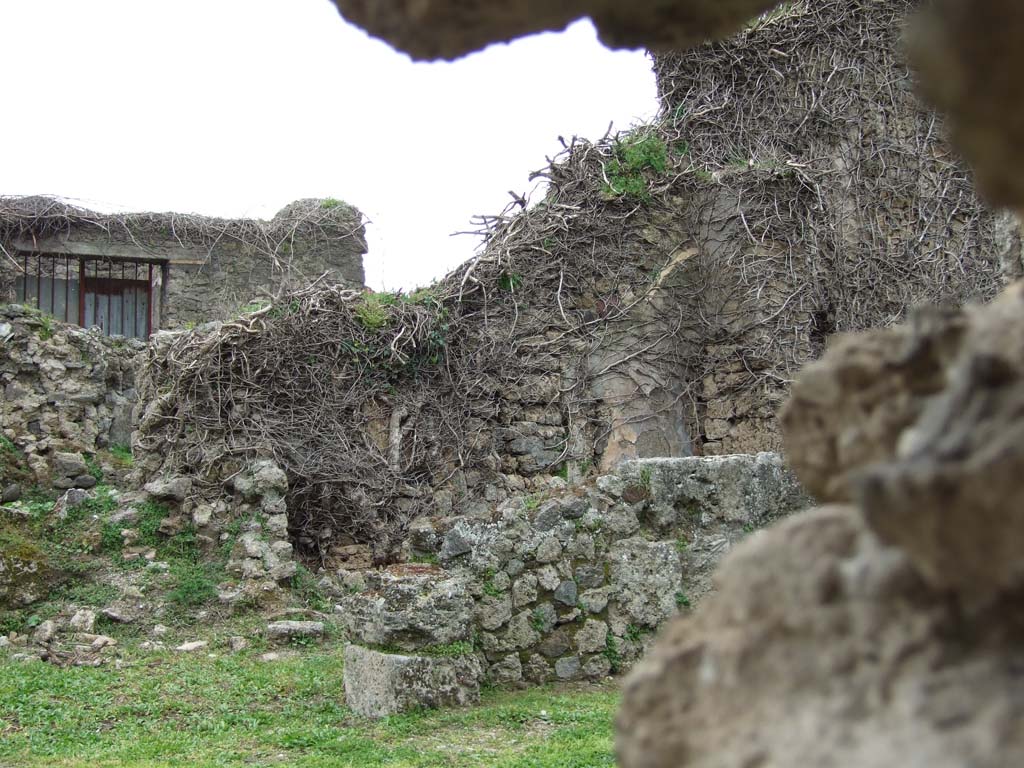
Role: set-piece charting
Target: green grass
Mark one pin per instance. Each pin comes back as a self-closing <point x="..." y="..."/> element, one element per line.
<point x="234" y="710"/>
<point x="193" y="583"/>
<point x="305" y="588"/>
<point x="612" y="653"/>
<point x="46" y="329"/>
<point x="442" y="650"/>
<point x="94" y="467"/>
<point x="122" y="454"/>
<point x="94" y="595"/>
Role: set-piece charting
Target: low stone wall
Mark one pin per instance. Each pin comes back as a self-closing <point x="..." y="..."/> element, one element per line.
<point x="66" y="392"/>
<point x="572" y="586"/>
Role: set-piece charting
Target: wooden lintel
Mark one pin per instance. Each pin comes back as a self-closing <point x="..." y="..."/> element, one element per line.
<point x="61" y="244"/>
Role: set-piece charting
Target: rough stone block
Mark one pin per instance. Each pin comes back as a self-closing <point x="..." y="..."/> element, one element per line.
<point x="645" y="576"/>
<point x="170" y="489"/>
<point x="69" y="464"/>
<point x="285" y="631"/>
<point x="507" y="671"/>
<point x="591" y="638"/>
<point x="409" y="607"/>
<point x="381" y="684"/>
<point x="742" y="489"/>
<point x="568" y="668"/>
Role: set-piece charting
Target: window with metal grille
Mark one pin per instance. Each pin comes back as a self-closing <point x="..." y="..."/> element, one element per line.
<point x="113" y="295"/>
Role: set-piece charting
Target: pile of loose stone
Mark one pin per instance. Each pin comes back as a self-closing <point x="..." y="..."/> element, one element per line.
<point x="261" y="558"/>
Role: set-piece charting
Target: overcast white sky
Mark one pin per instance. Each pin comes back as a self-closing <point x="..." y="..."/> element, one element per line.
<point x="237" y="107"/>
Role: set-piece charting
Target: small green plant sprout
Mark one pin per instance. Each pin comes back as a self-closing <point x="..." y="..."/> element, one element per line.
<point x="46" y="331"/>
<point x="682" y="544"/>
<point x="93" y="467"/>
<point x="449" y="650"/>
<point x="634" y="633"/>
<point x="305" y="587"/>
<point x="372" y="311"/>
<point x="635" y="158"/>
<point x="7" y="446"/>
<point x="490" y="588"/>
<point x="682" y="601"/>
<point x="329" y="203"/>
<point x="424" y="559"/>
<point x="531" y="503"/>
<point x="510" y="281"/>
<point x="283" y="310"/>
<point x="737" y="160"/>
<point x="252" y="306"/>
<point x="421" y="296"/>
<point x="538" y="621"/>
<point x="611" y="652"/>
<point x="645" y="477"/>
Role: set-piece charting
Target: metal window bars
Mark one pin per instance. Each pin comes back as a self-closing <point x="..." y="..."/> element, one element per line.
<point x="113" y="295"/>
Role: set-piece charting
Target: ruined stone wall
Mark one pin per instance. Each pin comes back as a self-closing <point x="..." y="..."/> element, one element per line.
<point x="843" y="204"/>
<point x="66" y="392"/>
<point x="571" y="584"/>
<point x="646" y="307"/>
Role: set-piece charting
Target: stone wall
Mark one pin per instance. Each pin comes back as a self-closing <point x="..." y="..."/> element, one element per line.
<point x="236" y="273"/>
<point x="67" y="392"/>
<point x="203" y="268"/>
<point x="571" y="584"/>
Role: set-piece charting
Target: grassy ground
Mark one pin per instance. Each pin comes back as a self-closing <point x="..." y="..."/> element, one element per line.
<point x="168" y="709"/>
<point x="218" y="708"/>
